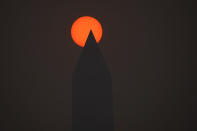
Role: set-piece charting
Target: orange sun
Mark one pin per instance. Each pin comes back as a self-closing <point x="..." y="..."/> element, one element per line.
<point x="81" y="29"/>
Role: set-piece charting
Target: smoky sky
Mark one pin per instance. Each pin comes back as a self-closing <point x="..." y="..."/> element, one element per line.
<point x="147" y="45"/>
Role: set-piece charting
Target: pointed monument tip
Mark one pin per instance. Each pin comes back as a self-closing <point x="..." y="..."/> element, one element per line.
<point x="90" y="40"/>
<point x="91" y="36"/>
<point x="91" y="33"/>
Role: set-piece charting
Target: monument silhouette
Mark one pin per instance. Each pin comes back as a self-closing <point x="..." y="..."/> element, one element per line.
<point x="92" y="91"/>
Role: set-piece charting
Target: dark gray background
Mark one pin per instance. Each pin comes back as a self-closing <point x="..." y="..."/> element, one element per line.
<point x="147" y="44"/>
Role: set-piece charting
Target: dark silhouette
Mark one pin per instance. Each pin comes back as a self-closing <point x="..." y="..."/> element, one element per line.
<point x="91" y="91"/>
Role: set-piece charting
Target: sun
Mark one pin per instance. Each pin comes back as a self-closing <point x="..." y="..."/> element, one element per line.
<point x="81" y="29"/>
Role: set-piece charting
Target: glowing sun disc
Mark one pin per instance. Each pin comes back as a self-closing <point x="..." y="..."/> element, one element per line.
<point x="81" y="29"/>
